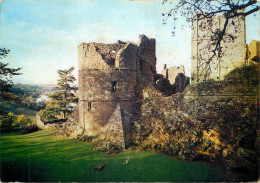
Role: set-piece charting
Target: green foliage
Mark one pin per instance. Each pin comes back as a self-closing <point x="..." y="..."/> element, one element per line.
<point x="23" y="90"/>
<point x="30" y="129"/>
<point x="27" y="95"/>
<point x="49" y="113"/>
<point x="23" y="120"/>
<point x="7" y="120"/>
<point x="61" y="98"/>
<point x="256" y="59"/>
<point x="17" y="109"/>
<point x="247" y="75"/>
<point x="32" y="103"/>
<point x="6" y="74"/>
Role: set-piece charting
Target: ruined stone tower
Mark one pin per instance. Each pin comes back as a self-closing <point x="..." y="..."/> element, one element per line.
<point x="109" y="86"/>
<point x="233" y="46"/>
<point x="253" y="51"/>
<point x="172" y="72"/>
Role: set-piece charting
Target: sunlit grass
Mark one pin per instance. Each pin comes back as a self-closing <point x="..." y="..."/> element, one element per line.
<point x="42" y="157"/>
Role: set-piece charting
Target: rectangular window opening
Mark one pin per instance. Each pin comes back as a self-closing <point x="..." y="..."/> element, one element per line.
<point x="89" y="106"/>
<point x="113" y="86"/>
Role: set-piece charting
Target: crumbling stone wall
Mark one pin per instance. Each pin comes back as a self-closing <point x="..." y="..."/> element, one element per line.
<point x="214" y="120"/>
<point x="71" y="128"/>
<point x="55" y="124"/>
<point x="165" y="71"/>
<point x="233" y="53"/>
<point x="109" y="84"/>
<point x="146" y="54"/>
<point x="181" y="82"/>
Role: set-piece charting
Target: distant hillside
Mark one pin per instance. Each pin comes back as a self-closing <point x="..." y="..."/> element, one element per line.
<point x="47" y="85"/>
<point x="53" y="85"/>
<point x="17" y="109"/>
<point x="31" y="90"/>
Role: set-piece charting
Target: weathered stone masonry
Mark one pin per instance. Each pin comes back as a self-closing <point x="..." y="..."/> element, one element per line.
<point x="233" y="49"/>
<point x="109" y="87"/>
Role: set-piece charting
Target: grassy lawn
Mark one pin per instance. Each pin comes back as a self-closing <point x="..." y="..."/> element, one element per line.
<point x="42" y="157"/>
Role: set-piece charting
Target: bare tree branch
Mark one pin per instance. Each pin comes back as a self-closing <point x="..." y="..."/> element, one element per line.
<point x="205" y="10"/>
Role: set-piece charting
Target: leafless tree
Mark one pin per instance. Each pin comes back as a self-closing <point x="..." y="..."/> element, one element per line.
<point x="204" y="11"/>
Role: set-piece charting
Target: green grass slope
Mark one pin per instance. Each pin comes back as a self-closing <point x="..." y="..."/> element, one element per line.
<point x="8" y="106"/>
<point x="42" y="157"/>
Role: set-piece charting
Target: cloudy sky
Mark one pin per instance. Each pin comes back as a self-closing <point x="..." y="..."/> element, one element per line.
<point x="43" y="35"/>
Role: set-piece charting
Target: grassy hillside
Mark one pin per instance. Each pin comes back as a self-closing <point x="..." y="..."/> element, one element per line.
<point x="17" y="109"/>
<point x="42" y="157"/>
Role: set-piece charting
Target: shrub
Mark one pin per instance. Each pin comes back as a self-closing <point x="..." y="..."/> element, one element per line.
<point x="48" y="114"/>
<point x="23" y="120"/>
<point x="30" y="129"/>
<point x="7" y="120"/>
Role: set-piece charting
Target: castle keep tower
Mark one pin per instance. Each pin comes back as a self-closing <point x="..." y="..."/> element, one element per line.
<point x="108" y="87"/>
<point x="233" y="47"/>
<point x="253" y="51"/>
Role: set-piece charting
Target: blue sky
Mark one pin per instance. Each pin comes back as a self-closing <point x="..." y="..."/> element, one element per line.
<point x="43" y="35"/>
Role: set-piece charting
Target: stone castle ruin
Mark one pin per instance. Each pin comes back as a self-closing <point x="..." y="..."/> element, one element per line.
<point x="233" y="49"/>
<point x="111" y="82"/>
<point x="109" y="85"/>
<point x="124" y="103"/>
<point x="176" y="77"/>
<point x="172" y="72"/>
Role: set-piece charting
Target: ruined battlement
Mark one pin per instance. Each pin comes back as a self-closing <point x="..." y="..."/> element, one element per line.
<point x="98" y="55"/>
<point x="120" y="55"/>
